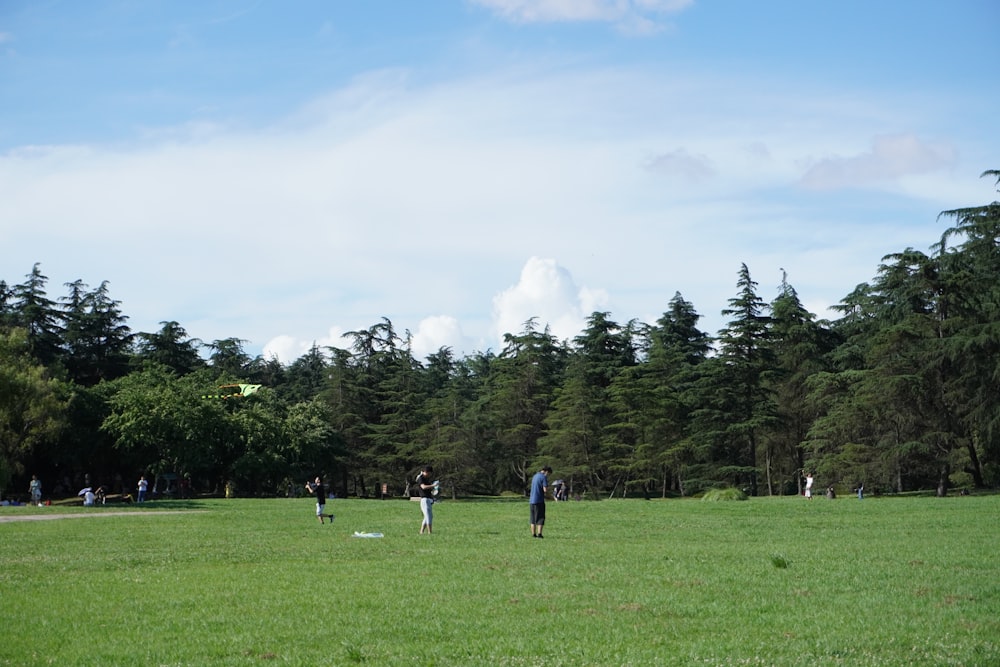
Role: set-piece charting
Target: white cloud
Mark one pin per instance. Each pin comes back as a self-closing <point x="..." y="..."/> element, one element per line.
<point x="436" y="332"/>
<point x="287" y="348"/>
<point x="890" y="157"/>
<point x="681" y="164"/>
<point x="416" y="203"/>
<point x="547" y="293"/>
<point x="638" y="16"/>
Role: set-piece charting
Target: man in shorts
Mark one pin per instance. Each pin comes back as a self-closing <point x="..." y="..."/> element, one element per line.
<point x="539" y="487"/>
<point x="318" y="489"/>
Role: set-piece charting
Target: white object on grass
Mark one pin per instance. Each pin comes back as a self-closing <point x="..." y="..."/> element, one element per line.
<point x="357" y="534"/>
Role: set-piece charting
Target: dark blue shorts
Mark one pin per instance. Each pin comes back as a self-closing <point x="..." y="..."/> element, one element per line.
<point x="538" y="514"/>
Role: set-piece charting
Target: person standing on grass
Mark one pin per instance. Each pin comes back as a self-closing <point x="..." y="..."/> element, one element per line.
<point x="143" y="485"/>
<point x="318" y="489"/>
<point x="809" y="486"/>
<point x="35" y="490"/>
<point x="427" y="486"/>
<point x="539" y="487"/>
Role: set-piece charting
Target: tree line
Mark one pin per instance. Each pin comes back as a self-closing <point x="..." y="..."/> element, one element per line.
<point x="899" y="393"/>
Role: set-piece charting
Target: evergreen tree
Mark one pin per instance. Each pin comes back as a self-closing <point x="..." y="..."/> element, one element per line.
<point x="96" y="337"/>
<point x="736" y="405"/>
<point x="227" y="357"/>
<point x="39" y="316"/>
<point x="667" y="382"/>
<point x="169" y="347"/>
<point x="584" y="434"/>
<point x="801" y="347"/>
<point x="518" y="394"/>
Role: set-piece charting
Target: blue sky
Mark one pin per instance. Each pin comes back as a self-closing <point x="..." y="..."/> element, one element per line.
<point x="286" y="172"/>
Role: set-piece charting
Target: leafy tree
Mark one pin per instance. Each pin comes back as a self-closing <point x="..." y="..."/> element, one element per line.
<point x="162" y="419"/>
<point x="260" y="452"/>
<point x="32" y="404"/>
<point x="314" y="447"/>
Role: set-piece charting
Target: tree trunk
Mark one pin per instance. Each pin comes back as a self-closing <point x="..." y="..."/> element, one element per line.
<point x="977" y="469"/>
<point x="767" y="469"/>
<point x="942" y="488"/>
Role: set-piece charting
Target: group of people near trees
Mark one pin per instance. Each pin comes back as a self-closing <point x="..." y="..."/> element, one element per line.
<point x="91" y="496"/>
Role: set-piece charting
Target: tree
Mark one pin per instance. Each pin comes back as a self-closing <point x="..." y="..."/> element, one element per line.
<point x="970" y="268"/>
<point x="228" y="357"/>
<point x="736" y="404"/>
<point x="170" y="347"/>
<point x="95" y="335"/>
<point x="584" y="433"/>
<point x="667" y="383"/>
<point x="32" y="404"/>
<point x="447" y="436"/>
<point x="801" y="348"/>
<point x="162" y="419"/>
<point x="39" y="316"/>
<point x="892" y="408"/>
<point x="516" y="401"/>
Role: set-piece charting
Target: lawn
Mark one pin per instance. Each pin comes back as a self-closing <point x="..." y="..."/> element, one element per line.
<point x="769" y="581"/>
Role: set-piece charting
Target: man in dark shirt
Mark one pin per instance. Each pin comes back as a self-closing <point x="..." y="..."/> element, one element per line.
<point x="318" y="489"/>
<point x="428" y="486"/>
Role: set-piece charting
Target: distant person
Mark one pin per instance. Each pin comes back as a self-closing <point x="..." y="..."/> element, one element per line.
<point x="35" y="490"/>
<point x="428" y="488"/>
<point x="101" y="495"/>
<point x="539" y="487"/>
<point x="830" y="493"/>
<point x="88" y="497"/>
<point x="809" y="486"/>
<point x="318" y="489"/>
<point x="142" y="487"/>
<point x="861" y="491"/>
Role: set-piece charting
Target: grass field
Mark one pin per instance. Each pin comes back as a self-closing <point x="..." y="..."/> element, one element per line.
<point x="782" y="581"/>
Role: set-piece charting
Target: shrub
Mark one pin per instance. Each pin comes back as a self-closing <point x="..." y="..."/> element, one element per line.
<point x="716" y="495"/>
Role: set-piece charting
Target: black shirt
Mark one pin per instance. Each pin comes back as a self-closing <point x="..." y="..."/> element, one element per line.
<point x="428" y="492"/>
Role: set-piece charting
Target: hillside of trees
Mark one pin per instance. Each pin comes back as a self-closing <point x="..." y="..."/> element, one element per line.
<point x="900" y="393"/>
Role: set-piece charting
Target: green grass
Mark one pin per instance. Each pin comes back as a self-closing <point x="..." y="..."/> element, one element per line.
<point x="902" y="581"/>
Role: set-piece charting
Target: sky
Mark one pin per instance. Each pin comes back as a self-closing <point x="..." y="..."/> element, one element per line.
<point x="287" y="172"/>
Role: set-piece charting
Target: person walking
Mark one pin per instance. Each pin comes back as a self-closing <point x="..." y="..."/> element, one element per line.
<point x="318" y="489"/>
<point x="35" y="490"/>
<point x="539" y="487"/>
<point x="428" y="487"/>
